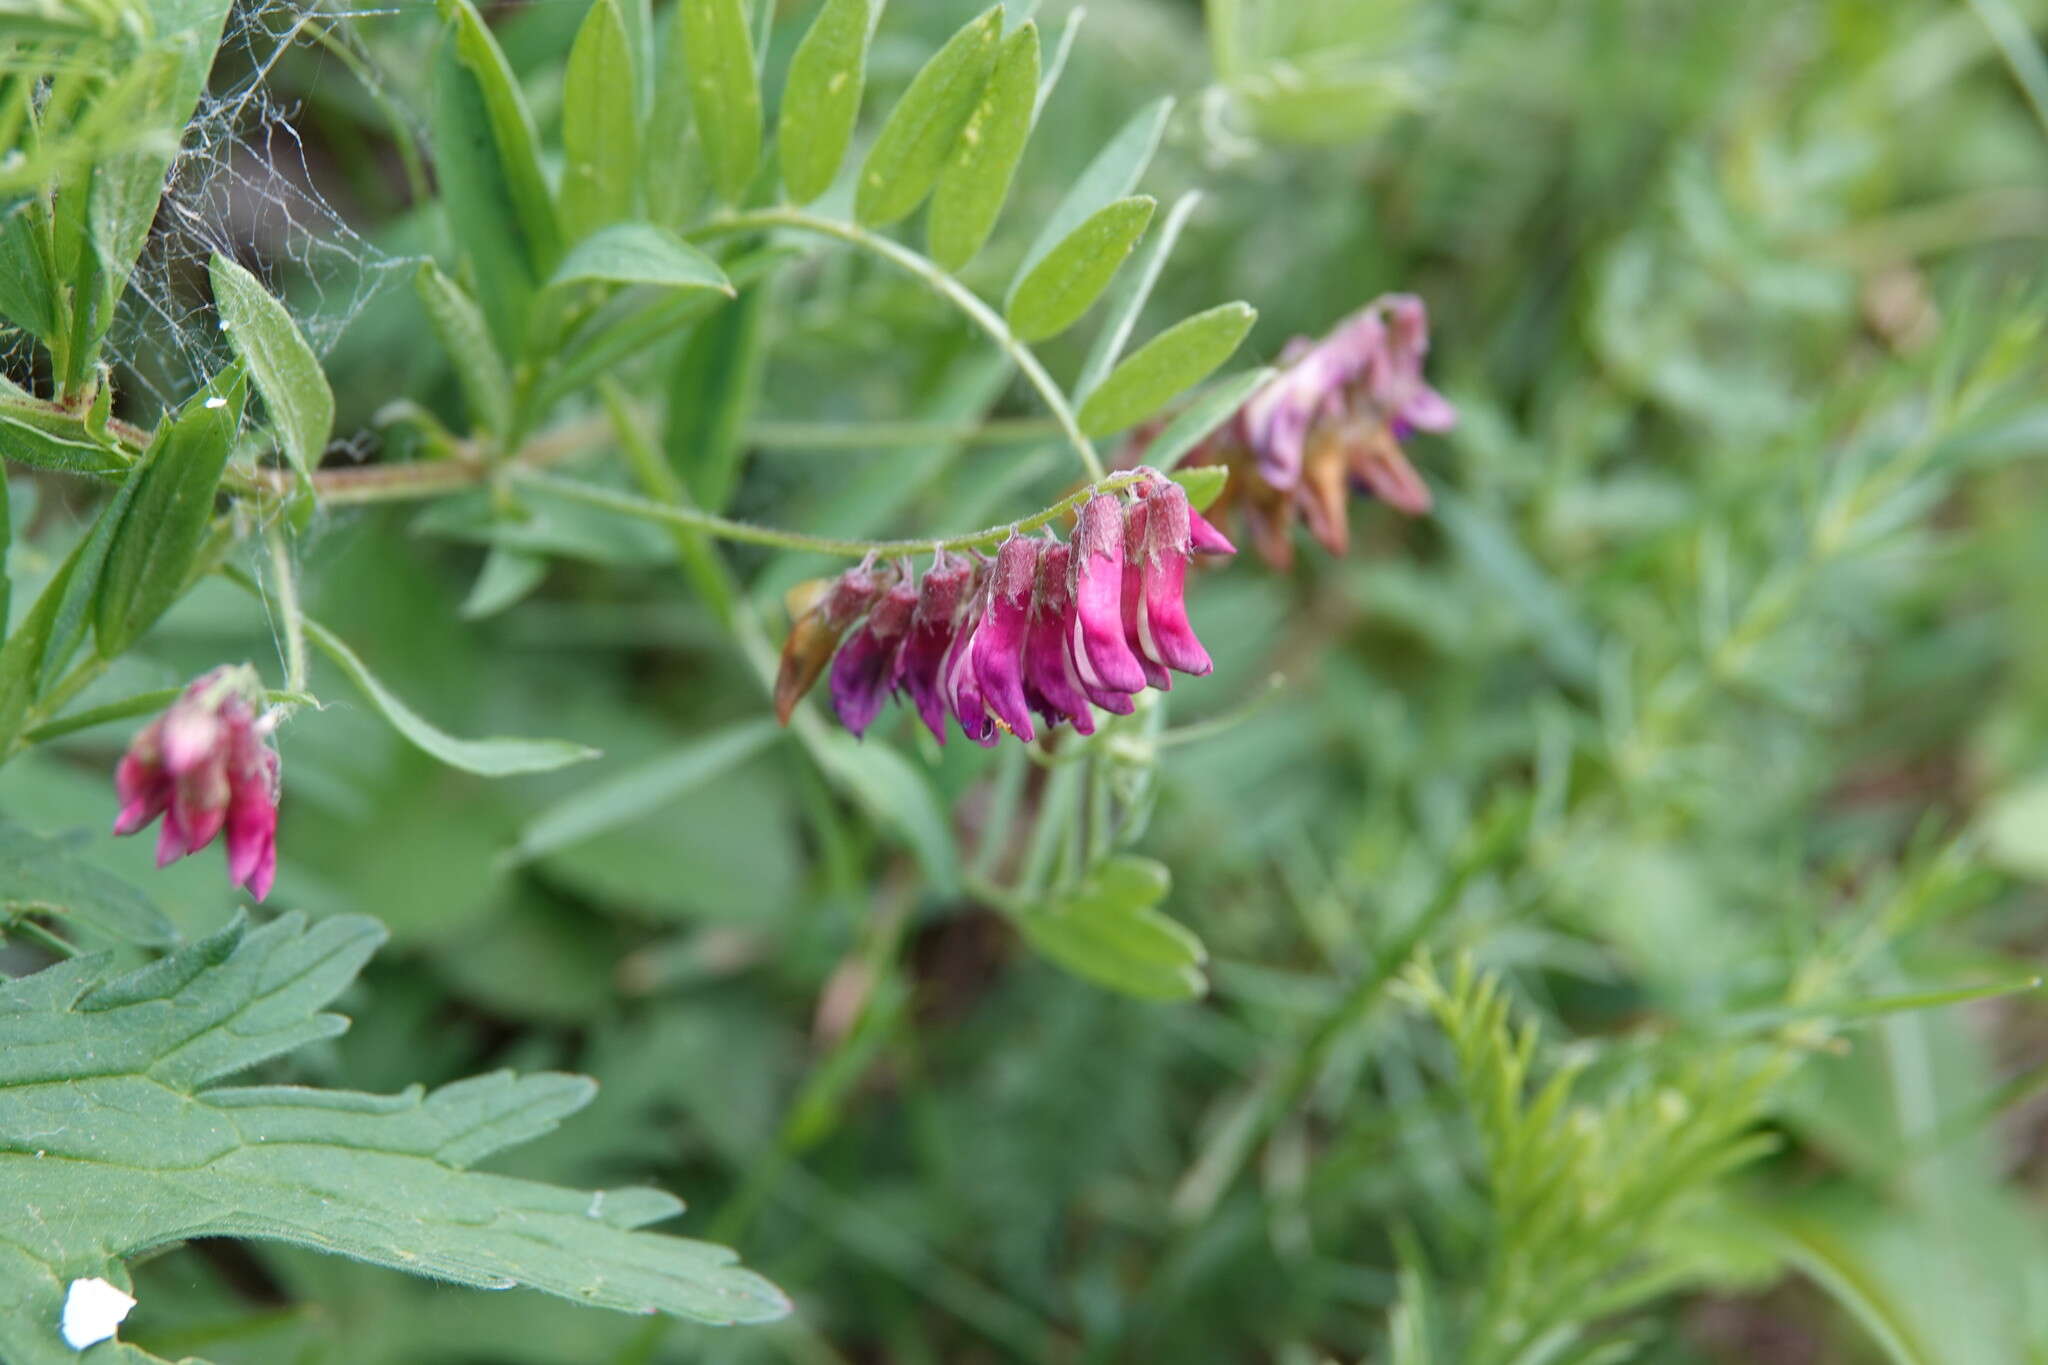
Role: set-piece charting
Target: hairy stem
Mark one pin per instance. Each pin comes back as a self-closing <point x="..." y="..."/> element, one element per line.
<point x="724" y="528"/>
<point x="286" y="588"/>
<point x="941" y="283"/>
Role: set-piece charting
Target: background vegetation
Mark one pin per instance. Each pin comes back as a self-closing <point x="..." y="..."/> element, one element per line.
<point x="1620" y="914"/>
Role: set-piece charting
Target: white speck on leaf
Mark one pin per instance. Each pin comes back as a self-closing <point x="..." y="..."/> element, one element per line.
<point x="216" y="402"/>
<point x="92" y="1310"/>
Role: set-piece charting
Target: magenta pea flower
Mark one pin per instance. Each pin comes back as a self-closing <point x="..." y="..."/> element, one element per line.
<point x="919" y="665"/>
<point x="864" y="670"/>
<point x="1052" y="684"/>
<point x="206" y="766"/>
<point x="1161" y="613"/>
<point x="999" y="643"/>
<point x="822" y="612"/>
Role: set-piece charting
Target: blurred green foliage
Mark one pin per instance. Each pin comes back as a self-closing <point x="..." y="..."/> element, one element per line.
<point x="1708" y="717"/>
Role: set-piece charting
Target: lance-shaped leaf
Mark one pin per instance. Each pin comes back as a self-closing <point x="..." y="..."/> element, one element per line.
<point x="976" y="179"/>
<point x="716" y="381"/>
<point x="1073" y="274"/>
<point x="159" y="534"/>
<point x="821" y="98"/>
<point x="1177" y="359"/>
<point x="287" y="373"/>
<point x="1107" y="930"/>
<point x="31" y="433"/>
<point x="725" y="89"/>
<point x="476" y="198"/>
<point x="479" y="369"/>
<point x="1111" y="176"/>
<point x="640" y="253"/>
<point x="484" y="757"/>
<point x="513" y="137"/>
<point x="600" y="124"/>
<point x="107" y="1099"/>
<point x="921" y="131"/>
<point x="1210" y="409"/>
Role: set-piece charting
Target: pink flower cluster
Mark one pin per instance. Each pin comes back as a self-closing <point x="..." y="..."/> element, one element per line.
<point x="1331" y="422"/>
<point x="205" y="765"/>
<point x="1048" y="629"/>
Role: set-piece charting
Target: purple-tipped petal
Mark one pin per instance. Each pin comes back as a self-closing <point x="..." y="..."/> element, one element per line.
<point x="1099" y="645"/>
<point x="144" y="790"/>
<point x="959" y="686"/>
<point x="1050" y="680"/>
<point x="933" y="625"/>
<point x="999" y="644"/>
<point x="1401" y="392"/>
<point x="815" y="633"/>
<point x="1207" y="539"/>
<point x="865" y="667"/>
<point x="1275" y="421"/>
<point x="1162" y="614"/>
<point x="1137" y="523"/>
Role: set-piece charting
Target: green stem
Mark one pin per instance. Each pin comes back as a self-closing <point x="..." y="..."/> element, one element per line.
<point x="693" y="519"/>
<point x="941" y="283"/>
<point x="863" y="435"/>
<point x="286" y="590"/>
<point x="141" y="704"/>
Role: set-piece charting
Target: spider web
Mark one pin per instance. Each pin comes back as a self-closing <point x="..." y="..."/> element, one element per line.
<point x="245" y="185"/>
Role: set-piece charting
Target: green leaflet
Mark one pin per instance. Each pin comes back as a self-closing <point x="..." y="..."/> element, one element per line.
<point x="1177" y="359"/>
<point x="641" y="790"/>
<point x="479" y="369"/>
<point x="34" y="434"/>
<point x="725" y="90"/>
<point x="821" y="97"/>
<point x="600" y="124"/>
<point x="1112" y="175"/>
<point x="1107" y="930"/>
<point x="166" y="520"/>
<point x="515" y="142"/>
<point x="976" y="179"/>
<point x="640" y="253"/>
<point x="1203" y="484"/>
<point x="484" y="757"/>
<point x="506" y="577"/>
<point x="1074" y="273"/>
<point x="477" y="201"/>
<point x="287" y="373"/>
<point x="716" y="380"/>
<point x="1210" y="410"/>
<point x="113" y="1073"/>
<point x="1128" y="299"/>
<point x="921" y="130"/>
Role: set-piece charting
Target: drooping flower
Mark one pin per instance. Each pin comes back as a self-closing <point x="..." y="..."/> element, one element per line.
<point x="864" y="670"/>
<point x="1330" y="424"/>
<point x="205" y="765"/>
<point x="933" y="625"/>
<point x="999" y="643"/>
<point x="822" y="613"/>
<point x="1042" y="635"/>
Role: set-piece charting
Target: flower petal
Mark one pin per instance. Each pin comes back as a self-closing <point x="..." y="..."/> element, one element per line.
<point x="1100" y="646"/>
<point x="999" y="644"/>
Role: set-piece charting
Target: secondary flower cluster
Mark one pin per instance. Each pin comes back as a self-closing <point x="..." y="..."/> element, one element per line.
<point x="1332" y="421"/>
<point x="1047" y="629"/>
<point x="206" y="766"/>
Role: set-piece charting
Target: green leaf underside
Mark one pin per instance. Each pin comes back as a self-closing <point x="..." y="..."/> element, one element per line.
<point x="160" y="531"/>
<point x="921" y="130"/>
<point x="1112" y="175"/>
<point x="600" y="124"/>
<point x="725" y="92"/>
<point x="484" y="757"/>
<point x="976" y="179"/>
<point x="287" y="373"/>
<point x="1177" y="359"/>
<point x="40" y="875"/>
<point x="1107" y="930"/>
<point x="1073" y="274"/>
<point x="505" y="579"/>
<point x="31" y="434"/>
<point x="640" y="253"/>
<point x="1210" y="409"/>
<point x="111" y="1144"/>
<point x="463" y="332"/>
<point x="821" y="98"/>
